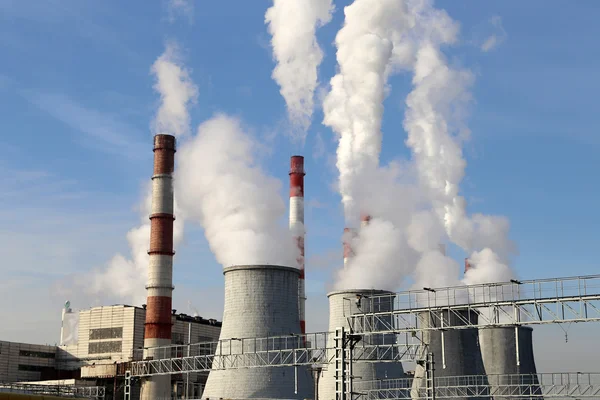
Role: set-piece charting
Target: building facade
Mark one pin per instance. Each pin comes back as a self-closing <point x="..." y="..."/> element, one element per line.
<point x="102" y="340"/>
<point x="26" y="362"/>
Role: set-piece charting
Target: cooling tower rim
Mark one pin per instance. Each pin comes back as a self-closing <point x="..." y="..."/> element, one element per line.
<point x="376" y="292"/>
<point x="489" y="328"/>
<point x="260" y="267"/>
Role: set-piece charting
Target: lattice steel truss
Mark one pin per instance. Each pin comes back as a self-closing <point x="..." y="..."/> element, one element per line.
<point x="277" y="351"/>
<point x="515" y="303"/>
<point x="536" y="386"/>
<point x="85" y="392"/>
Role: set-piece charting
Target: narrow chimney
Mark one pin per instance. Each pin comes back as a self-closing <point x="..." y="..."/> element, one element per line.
<point x="467" y="265"/>
<point x="364" y="220"/>
<point x="297" y="227"/>
<point x="160" y="268"/>
<point x="346" y="240"/>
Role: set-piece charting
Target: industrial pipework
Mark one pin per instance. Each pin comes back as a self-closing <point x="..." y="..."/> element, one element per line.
<point x="160" y="268"/>
<point x="297" y="227"/>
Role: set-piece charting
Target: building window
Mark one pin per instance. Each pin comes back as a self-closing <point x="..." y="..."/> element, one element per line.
<point x="104" y="347"/>
<point x="177" y="338"/>
<point x="36" y="354"/>
<point x="30" y="368"/>
<point x="106" y="333"/>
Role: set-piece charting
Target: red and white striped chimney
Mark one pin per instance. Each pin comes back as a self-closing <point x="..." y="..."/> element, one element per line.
<point x="346" y="241"/>
<point x="467" y="265"/>
<point x="160" y="268"/>
<point x="364" y="220"/>
<point x="297" y="227"/>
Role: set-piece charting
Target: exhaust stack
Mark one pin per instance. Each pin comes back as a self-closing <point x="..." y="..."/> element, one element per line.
<point x="160" y="267"/>
<point x="346" y="242"/>
<point x="467" y="265"/>
<point x="297" y="227"/>
<point x="365" y="219"/>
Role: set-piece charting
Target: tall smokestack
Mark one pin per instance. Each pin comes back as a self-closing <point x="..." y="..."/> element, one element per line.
<point x="467" y="265"/>
<point x="346" y="240"/>
<point x="364" y="220"/>
<point x="160" y="268"/>
<point x="297" y="226"/>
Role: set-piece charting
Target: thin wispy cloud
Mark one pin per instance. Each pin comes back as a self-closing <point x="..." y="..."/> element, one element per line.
<point x="497" y="34"/>
<point x="319" y="147"/>
<point x="184" y="8"/>
<point x="103" y="131"/>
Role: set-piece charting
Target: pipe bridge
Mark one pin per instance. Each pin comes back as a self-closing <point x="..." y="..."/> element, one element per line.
<point x="392" y="335"/>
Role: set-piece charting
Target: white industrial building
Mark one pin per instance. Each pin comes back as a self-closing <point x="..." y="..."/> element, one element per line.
<point x="26" y="362"/>
<point x="97" y="343"/>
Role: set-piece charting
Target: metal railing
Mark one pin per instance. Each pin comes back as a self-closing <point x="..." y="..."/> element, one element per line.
<point x="526" y="386"/>
<point x="541" y="301"/>
<point x="85" y="392"/>
<point x="391" y="329"/>
<point x="276" y="351"/>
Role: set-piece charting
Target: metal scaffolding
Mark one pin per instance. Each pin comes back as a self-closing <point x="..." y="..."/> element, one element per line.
<point x="277" y="351"/>
<point x="530" y="386"/>
<point x="515" y="303"/>
<point x="85" y="392"/>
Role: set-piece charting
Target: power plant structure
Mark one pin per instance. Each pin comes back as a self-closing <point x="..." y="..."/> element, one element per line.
<point x="260" y="301"/>
<point x="505" y="357"/>
<point x="342" y="304"/>
<point x="263" y="351"/>
<point x="160" y="268"/>
<point x="456" y="352"/>
<point x="297" y="227"/>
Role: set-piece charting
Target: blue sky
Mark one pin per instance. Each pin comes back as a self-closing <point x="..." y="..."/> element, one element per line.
<point x="76" y="91"/>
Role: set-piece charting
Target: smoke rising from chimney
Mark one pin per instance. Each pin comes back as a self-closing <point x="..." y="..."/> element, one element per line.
<point x="221" y="186"/>
<point x="380" y="38"/>
<point x="292" y="25"/>
<point x="125" y="277"/>
<point x="354" y="106"/>
<point x="177" y="92"/>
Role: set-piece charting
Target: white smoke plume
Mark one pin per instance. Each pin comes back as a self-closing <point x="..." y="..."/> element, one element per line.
<point x="177" y="92"/>
<point x="292" y="25"/>
<point x="124" y="277"/>
<point x="380" y="38"/>
<point x="221" y="186"/>
<point x="436" y="129"/>
<point x="354" y="106"/>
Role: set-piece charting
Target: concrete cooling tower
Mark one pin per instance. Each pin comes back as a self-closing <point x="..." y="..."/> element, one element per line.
<point x="341" y="305"/>
<point x="499" y="354"/>
<point x="458" y="354"/>
<point x="260" y="301"/>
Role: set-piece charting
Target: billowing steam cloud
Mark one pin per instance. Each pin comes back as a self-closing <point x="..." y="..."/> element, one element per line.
<point x="435" y="125"/>
<point x="354" y="106"/>
<point x="125" y="277"/>
<point x="292" y="24"/>
<point x="177" y="92"/>
<point x="224" y="189"/>
<point x="380" y="38"/>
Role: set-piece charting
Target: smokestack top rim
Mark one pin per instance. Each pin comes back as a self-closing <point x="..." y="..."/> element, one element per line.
<point x="164" y="142"/>
<point x="297" y="165"/>
<point x="257" y="267"/>
<point x="372" y="292"/>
